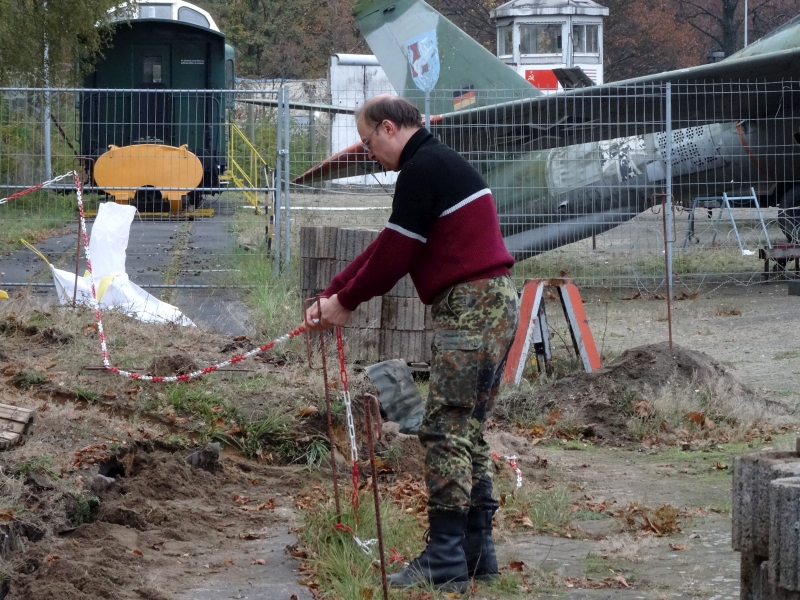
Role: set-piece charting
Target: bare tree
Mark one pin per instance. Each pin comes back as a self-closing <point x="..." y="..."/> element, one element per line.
<point x="721" y="22"/>
<point x="643" y="37"/>
<point x="286" y="40"/>
<point x="473" y="17"/>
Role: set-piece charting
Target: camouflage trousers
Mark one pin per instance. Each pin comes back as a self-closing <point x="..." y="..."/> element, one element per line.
<point x="475" y="324"/>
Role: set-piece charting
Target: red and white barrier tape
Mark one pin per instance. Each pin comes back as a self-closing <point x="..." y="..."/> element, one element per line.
<point x="36" y="187"/>
<point x="96" y="306"/>
<point x="512" y="461"/>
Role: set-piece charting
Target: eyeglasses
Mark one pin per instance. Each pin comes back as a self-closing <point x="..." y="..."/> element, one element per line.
<point x="365" y="144"/>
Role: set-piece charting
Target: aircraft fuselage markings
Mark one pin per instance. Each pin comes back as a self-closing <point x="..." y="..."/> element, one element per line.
<point x="746" y="147"/>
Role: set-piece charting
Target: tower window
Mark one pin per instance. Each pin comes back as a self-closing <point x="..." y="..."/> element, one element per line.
<point x="584" y="39"/>
<point x="540" y="39"/>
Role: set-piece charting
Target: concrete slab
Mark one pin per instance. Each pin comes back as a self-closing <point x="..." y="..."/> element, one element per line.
<point x="277" y="579"/>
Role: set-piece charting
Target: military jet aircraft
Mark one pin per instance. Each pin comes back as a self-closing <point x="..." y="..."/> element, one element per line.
<point x="565" y="166"/>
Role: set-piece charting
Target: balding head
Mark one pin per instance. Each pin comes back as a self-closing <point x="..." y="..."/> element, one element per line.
<point x="392" y="108"/>
<point x="385" y="124"/>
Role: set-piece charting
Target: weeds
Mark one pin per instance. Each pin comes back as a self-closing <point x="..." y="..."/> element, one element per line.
<point x="87" y="505"/>
<point x="697" y="410"/>
<point x="275" y="300"/>
<point x="25" y="380"/>
<point x="542" y="510"/>
<point x="272" y="429"/>
<point x="316" y="452"/>
<point x="342" y="569"/>
<point x="38" y="464"/>
<point x="85" y="395"/>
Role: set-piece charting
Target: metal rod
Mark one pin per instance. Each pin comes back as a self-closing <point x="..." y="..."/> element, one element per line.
<point x="745" y="23"/>
<point x="668" y="209"/>
<point x="158" y="286"/>
<point x="306" y="305"/>
<point x="92" y="188"/>
<point x="278" y="189"/>
<point x="77" y="266"/>
<point x="286" y="163"/>
<point x="330" y="423"/>
<point x="371" y="401"/>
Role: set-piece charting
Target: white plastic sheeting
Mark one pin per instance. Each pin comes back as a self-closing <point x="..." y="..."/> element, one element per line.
<point x="107" y="249"/>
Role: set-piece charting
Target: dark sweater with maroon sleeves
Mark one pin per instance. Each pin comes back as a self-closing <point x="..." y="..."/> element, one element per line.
<point x="443" y="230"/>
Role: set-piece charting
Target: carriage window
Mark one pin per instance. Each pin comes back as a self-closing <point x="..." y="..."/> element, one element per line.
<point x="540" y="39"/>
<point x="189" y="15"/>
<point x="155" y="11"/>
<point x="152" y="70"/>
<point x="229" y="75"/>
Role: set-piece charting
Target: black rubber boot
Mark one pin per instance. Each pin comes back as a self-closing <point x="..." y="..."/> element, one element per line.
<point x="478" y="544"/>
<point x="442" y="563"/>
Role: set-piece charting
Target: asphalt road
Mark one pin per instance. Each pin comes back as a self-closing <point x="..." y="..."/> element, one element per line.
<point x="176" y="260"/>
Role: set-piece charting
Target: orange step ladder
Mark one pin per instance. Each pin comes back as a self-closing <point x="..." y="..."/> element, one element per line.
<point x="533" y="328"/>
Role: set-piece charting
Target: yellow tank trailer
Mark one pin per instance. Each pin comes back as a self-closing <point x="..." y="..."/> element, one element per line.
<point x="172" y="171"/>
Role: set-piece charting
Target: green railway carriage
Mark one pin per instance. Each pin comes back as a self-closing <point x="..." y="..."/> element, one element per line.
<point x="160" y="86"/>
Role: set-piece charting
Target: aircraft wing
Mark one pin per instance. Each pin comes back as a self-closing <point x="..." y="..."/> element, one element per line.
<point x="736" y="89"/>
<point x="324" y="108"/>
<point x="349" y="162"/>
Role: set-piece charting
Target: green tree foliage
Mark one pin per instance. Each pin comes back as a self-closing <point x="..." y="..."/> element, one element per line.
<point x="286" y="39"/>
<point x="67" y="27"/>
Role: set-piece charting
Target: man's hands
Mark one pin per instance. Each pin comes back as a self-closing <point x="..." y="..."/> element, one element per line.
<point x="333" y="314"/>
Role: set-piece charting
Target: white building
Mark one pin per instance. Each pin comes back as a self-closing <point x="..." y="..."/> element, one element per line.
<point x="536" y="36"/>
<point x="354" y="79"/>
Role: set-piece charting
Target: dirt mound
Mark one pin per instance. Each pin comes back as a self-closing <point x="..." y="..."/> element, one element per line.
<point x="173" y="364"/>
<point x="149" y="520"/>
<point x="602" y="404"/>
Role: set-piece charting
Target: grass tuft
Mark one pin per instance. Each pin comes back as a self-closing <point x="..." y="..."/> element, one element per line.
<point x="37" y="464"/>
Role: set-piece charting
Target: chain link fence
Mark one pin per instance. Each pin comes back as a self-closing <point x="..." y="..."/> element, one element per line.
<point x="580" y="181"/>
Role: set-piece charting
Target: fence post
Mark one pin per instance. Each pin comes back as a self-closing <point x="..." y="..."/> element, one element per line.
<point x="278" y="186"/>
<point x="670" y="226"/>
<point x="287" y="140"/>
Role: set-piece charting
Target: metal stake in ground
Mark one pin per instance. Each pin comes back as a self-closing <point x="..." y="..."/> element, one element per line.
<point x="666" y="211"/>
<point x="371" y="402"/>
<point x="306" y="304"/>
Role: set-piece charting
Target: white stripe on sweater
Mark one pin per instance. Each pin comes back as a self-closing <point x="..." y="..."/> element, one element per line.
<point x="406" y="232"/>
<point x="466" y="201"/>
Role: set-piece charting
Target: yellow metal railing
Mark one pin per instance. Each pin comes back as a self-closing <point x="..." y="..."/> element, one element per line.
<point x="245" y="174"/>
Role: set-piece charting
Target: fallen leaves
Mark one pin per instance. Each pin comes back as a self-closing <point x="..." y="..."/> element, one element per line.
<point x="678" y="546"/>
<point x="616" y="581"/>
<point x="307" y="411"/>
<point x="90" y="455"/>
<point x="554" y="417"/>
<point x="268" y="505"/>
<point x="7" y="515"/>
<point x="257" y="535"/>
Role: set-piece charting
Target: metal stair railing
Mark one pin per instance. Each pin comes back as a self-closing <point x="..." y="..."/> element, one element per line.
<point x="245" y="175"/>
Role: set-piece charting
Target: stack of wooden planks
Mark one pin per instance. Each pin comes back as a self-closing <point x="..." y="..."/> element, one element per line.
<point x="396" y="325"/>
<point x="15" y="422"/>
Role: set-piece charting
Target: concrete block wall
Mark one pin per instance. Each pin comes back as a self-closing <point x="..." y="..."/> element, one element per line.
<point x="766" y="524"/>
<point x="396" y="325"/>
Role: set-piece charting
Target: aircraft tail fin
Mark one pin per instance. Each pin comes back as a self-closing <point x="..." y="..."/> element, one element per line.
<point x="424" y="53"/>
